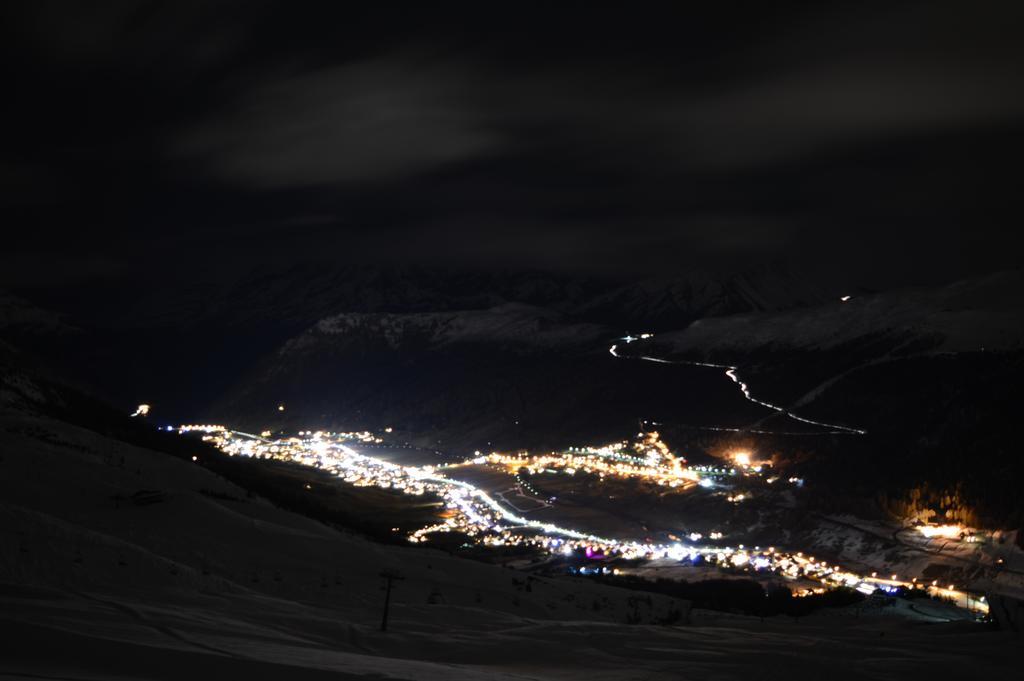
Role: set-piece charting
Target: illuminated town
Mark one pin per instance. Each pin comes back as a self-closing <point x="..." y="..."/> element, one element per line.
<point x="512" y="342"/>
<point x="486" y="521"/>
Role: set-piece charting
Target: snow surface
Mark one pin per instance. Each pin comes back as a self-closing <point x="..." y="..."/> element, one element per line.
<point x="207" y="582"/>
<point x="971" y="315"/>
<point x="510" y="324"/>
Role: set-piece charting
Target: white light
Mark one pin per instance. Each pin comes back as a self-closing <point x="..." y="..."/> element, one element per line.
<point x="491" y="523"/>
<point x="946" y="531"/>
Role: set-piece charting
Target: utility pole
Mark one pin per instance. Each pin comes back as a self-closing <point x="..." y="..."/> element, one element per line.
<point x="390" y="576"/>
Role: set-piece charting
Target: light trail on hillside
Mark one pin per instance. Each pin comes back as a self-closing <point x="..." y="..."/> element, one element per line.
<point x="732" y="373"/>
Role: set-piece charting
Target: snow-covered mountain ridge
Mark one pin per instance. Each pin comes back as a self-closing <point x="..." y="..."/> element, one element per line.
<point x="971" y="315"/>
<point x="512" y="324"/>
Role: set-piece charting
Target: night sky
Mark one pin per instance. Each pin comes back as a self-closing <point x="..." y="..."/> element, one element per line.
<point x="880" y="143"/>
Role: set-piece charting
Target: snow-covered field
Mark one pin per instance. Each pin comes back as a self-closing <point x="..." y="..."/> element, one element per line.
<point x="117" y="561"/>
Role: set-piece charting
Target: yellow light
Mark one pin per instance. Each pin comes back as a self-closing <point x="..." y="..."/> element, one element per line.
<point x="945" y="531"/>
<point x="741" y="458"/>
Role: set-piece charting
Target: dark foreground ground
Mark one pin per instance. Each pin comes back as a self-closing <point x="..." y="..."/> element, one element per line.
<point x="119" y="561"/>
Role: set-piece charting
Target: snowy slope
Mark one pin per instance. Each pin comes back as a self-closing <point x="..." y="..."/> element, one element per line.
<point x="90" y="588"/>
<point x="985" y="313"/>
<point x="514" y="325"/>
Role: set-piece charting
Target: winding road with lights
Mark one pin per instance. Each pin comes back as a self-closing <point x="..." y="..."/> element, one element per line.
<point x="731" y="373"/>
<point x="490" y="522"/>
<point x="480" y="516"/>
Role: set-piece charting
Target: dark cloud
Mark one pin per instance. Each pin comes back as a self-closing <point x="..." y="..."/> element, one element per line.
<point x="833" y="105"/>
<point x="388" y="117"/>
<point x="177" y="136"/>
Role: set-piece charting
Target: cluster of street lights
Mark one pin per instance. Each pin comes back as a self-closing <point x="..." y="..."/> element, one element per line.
<point x="478" y="515"/>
